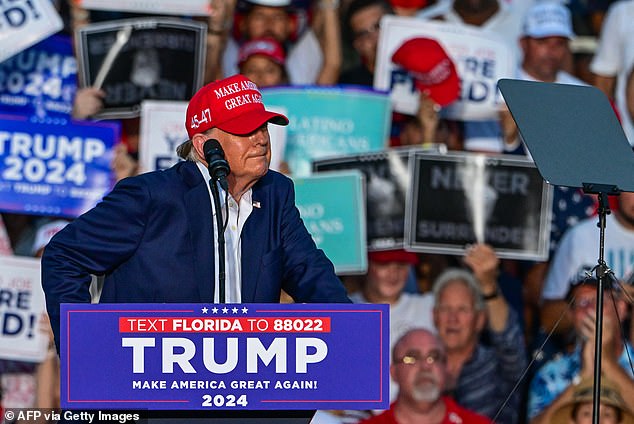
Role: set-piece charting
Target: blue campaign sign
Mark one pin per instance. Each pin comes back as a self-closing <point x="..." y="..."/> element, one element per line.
<point x="41" y="81"/>
<point x="234" y="356"/>
<point x="60" y="170"/>
<point x="330" y="121"/>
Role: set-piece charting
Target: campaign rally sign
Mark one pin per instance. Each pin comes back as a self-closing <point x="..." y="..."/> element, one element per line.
<point x="141" y="59"/>
<point x="332" y="206"/>
<point x="60" y="170"/>
<point x="41" y="81"/>
<point x="229" y="357"/>
<point x="148" y="7"/>
<point x="24" y="335"/>
<point x="162" y="130"/>
<point x="387" y="184"/>
<point x="24" y="23"/>
<point x="481" y="58"/>
<point x="463" y="198"/>
<point x="330" y="121"/>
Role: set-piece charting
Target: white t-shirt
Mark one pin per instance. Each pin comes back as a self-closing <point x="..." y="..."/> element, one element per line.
<point x="486" y="135"/>
<point x="410" y="311"/>
<point x="578" y="251"/>
<point x="615" y="55"/>
<point x="507" y="21"/>
<point x="303" y="61"/>
<point x="563" y="77"/>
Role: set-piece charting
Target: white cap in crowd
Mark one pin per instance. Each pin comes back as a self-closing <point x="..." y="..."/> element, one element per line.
<point x="271" y="3"/>
<point x="548" y="19"/>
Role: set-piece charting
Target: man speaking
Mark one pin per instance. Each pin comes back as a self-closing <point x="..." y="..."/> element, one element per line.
<point x="153" y="237"/>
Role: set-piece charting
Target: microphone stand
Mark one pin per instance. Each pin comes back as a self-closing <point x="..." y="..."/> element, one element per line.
<point x="602" y="272"/>
<point x="221" y="239"/>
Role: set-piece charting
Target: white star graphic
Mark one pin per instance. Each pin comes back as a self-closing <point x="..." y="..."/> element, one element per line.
<point x="225" y="310"/>
<point x="205" y="310"/>
<point x="214" y="310"/>
<point x="245" y="310"/>
<point x="234" y="310"/>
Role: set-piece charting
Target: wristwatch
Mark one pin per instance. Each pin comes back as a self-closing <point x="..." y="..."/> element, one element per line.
<point x="492" y="295"/>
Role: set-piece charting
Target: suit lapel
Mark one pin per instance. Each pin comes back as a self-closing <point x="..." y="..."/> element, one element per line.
<point x="254" y="234"/>
<point x="199" y="220"/>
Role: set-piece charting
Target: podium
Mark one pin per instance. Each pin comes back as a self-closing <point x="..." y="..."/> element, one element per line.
<point x="224" y="363"/>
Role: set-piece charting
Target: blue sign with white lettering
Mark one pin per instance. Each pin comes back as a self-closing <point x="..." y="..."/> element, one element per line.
<point x="40" y="82"/>
<point x="60" y="170"/>
<point x="234" y="356"/>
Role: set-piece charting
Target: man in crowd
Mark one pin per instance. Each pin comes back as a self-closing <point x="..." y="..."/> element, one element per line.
<point x="481" y="378"/>
<point x="314" y="57"/>
<point x="153" y="236"/>
<point x="577" y="254"/>
<point x="503" y="18"/>
<point x="612" y="63"/>
<point x="361" y="28"/>
<point x="385" y="283"/>
<point x="555" y="381"/>
<point x="418" y="367"/>
<point x="545" y="43"/>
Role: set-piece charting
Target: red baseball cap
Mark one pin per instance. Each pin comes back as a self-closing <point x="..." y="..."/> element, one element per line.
<point x="396" y="255"/>
<point x="433" y="71"/>
<point x="409" y="4"/>
<point x="233" y="104"/>
<point x="268" y="47"/>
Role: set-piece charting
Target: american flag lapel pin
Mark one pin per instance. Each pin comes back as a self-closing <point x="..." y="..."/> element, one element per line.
<point x="256" y="204"/>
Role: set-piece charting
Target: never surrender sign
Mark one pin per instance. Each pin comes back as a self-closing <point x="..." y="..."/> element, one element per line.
<point x="141" y="59"/>
<point x="233" y="356"/>
<point x="459" y="199"/>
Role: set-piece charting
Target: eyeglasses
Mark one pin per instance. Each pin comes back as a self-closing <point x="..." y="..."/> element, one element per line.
<point x="590" y="302"/>
<point x="366" y="33"/>
<point x="413" y="358"/>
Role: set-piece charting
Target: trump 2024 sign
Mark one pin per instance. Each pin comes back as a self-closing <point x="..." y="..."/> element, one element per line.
<point x="233" y="356"/>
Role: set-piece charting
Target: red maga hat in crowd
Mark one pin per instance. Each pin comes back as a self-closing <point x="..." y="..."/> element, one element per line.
<point x="433" y="71"/>
<point x="396" y="255"/>
<point x="409" y="4"/>
<point x="268" y="47"/>
<point x="233" y="104"/>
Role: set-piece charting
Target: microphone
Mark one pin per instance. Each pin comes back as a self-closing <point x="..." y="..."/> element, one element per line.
<point x="216" y="162"/>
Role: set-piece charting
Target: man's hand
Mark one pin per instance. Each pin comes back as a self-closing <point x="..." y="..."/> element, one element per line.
<point x="88" y="101"/>
<point x="484" y="263"/>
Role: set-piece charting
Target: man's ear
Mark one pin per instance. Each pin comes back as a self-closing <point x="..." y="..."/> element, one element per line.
<point x="481" y="320"/>
<point x="198" y="140"/>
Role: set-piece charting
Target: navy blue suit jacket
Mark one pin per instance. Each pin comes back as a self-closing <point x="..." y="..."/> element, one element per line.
<point x="152" y="237"/>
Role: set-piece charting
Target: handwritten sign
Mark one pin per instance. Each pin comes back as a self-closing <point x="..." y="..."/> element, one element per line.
<point x="233" y="356"/>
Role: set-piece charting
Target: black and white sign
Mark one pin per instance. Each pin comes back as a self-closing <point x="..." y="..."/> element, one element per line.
<point x="141" y="59"/>
<point x="462" y="198"/>
<point x="387" y="185"/>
